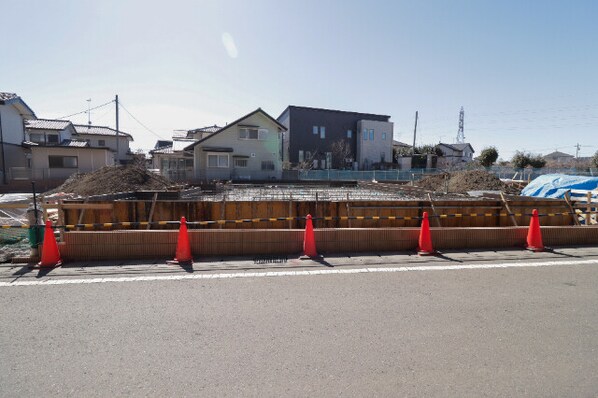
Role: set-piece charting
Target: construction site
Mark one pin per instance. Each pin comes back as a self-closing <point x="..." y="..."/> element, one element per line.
<point x="130" y="213"/>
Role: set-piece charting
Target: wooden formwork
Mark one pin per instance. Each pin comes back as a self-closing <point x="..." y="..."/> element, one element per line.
<point x="486" y="210"/>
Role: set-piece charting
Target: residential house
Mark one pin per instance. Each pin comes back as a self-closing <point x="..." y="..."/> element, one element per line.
<point x="171" y="158"/>
<point x="559" y="158"/>
<point x="54" y="151"/>
<point x="453" y="154"/>
<point x="314" y="135"/>
<point x="247" y="149"/>
<point x="106" y="137"/>
<point x="13" y="113"/>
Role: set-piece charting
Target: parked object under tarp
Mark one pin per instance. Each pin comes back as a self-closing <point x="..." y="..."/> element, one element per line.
<point x="556" y="185"/>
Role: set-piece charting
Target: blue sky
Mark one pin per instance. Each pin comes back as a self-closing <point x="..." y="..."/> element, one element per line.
<point x="525" y="71"/>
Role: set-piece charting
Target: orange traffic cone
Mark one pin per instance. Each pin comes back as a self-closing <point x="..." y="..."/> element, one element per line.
<point x="425" y="238"/>
<point x="309" y="240"/>
<point x="183" y="247"/>
<point x="534" y="234"/>
<point x="50" y="254"/>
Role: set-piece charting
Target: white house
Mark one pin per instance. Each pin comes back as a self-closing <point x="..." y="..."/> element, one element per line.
<point x="456" y="153"/>
<point x="247" y="149"/>
<point x="13" y="113"/>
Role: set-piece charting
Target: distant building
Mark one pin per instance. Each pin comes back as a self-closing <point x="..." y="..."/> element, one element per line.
<point x="312" y="132"/>
<point x="247" y="149"/>
<point x="455" y="153"/>
<point x="559" y="157"/>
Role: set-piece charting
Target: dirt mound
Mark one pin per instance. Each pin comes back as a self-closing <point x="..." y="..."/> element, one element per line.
<point x="113" y="179"/>
<point x="464" y="181"/>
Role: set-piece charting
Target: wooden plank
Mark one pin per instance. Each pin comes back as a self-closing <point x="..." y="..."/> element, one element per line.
<point x="434" y="211"/>
<point x="573" y="215"/>
<point x="151" y="214"/>
<point x="504" y="200"/>
<point x="589" y="208"/>
<point x="81" y="214"/>
<point x="94" y="206"/>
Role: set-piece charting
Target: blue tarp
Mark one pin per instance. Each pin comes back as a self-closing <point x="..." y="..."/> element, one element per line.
<point x="556" y="185"/>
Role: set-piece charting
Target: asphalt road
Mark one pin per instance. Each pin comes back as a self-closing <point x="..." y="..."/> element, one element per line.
<point x="506" y="331"/>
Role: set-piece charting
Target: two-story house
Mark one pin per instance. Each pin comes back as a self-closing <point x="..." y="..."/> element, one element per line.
<point x="247" y="149"/>
<point x="13" y="113"/>
<point x="455" y="153"/>
<point x="55" y="150"/>
<point x="106" y="137"/>
<point x="315" y="135"/>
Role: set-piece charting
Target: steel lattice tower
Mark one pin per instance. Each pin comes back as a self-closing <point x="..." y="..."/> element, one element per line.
<point x="460" y="133"/>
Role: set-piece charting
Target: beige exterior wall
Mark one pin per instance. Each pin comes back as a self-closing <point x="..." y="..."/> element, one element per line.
<point x="377" y="150"/>
<point x="109" y="142"/>
<point x="88" y="159"/>
<point x="254" y="151"/>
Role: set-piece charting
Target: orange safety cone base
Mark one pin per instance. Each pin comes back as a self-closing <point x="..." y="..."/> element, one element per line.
<point x="306" y="257"/>
<point x="41" y="266"/>
<point x="425" y="253"/>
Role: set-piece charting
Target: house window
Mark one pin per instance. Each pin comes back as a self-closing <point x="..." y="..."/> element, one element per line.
<point x="371" y="135"/>
<point x="240" y="162"/>
<point x="322" y="132"/>
<point x="189" y="163"/>
<point x="384" y="136"/>
<point x="217" y="160"/>
<point x="52" y="138"/>
<point x="267" y="165"/>
<point x="349" y="133"/>
<point x="314" y="130"/>
<point x="101" y="142"/>
<point x="308" y="155"/>
<point x="62" y="162"/>
<point x="301" y="156"/>
<point x="365" y="134"/>
<point x="248" y="134"/>
<point x="34" y="137"/>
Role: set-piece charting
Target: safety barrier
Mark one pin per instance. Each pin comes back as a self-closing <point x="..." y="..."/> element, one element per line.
<point x="145" y="224"/>
<point x="135" y="244"/>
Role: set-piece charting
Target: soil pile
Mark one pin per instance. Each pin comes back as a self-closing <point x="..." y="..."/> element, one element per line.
<point x="464" y="181"/>
<point x="114" y="179"/>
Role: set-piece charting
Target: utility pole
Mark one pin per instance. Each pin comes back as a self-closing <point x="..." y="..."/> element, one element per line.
<point x="414" y="134"/>
<point x="117" y="143"/>
<point x="577" y="148"/>
<point x="2" y="150"/>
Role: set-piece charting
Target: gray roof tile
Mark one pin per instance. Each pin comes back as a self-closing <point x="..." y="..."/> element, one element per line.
<point x="99" y="130"/>
<point x="47" y="124"/>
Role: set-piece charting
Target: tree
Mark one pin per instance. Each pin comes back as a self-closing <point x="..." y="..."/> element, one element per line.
<point x="341" y="154"/>
<point x="595" y="160"/>
<point x="522" y="159"/>
<point x="488" y="156"/>
<point x="537" y="162"/>
<point x="519" y="160"/>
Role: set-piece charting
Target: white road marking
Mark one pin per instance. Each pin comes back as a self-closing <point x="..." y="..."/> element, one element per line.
<point x="268" y="274"/>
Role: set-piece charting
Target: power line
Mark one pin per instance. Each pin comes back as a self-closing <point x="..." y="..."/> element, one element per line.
<point x="137" y="120"/>
<point x="87" y="110"/>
